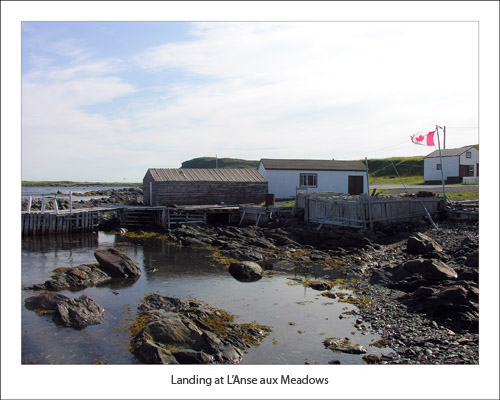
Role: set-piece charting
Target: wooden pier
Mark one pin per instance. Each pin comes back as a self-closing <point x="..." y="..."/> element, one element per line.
<point x="165" y="217"/>
<point x="61" y="221"/>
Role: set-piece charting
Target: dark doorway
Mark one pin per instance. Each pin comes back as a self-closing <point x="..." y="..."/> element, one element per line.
<point x="355" y="184"/>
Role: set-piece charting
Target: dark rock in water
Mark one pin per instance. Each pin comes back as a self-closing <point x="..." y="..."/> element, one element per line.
<point x="192" y="333"/>
<point x="116" y="264"/>
<point x="246" y="271"/>
<point x="44" y="301"/>
<point x="75" y="313"/>
<point x="319" y="285"/>
<point x="343" y="345"/>
<point x="429" y="269"/>
<point x="78" y="277"/>
<point x="187" y="356"/>
<point x="151" y="353"/>
<point x="155" y="301"/>
<point x="422" y="244"/>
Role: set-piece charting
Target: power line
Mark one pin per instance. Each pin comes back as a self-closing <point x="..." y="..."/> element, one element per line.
<point x="383" y="148"/>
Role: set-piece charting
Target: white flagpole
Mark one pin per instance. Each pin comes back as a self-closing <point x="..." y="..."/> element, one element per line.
<point x="441" y="161"/>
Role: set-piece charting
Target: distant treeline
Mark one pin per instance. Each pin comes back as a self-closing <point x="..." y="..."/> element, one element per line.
<point x="406" y="166"/>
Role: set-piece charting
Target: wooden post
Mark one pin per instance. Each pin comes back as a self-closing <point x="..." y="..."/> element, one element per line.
<point x="29" y="205"/>
<point x="43" y="205"/>
<point x="70" y="202"/>
<point x="56" y="208"/>
<point x="368" y="193"/>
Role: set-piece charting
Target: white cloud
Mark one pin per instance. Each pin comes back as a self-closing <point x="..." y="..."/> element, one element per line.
<point x="304" y="90"/>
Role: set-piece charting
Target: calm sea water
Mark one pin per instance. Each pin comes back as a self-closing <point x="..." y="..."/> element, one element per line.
<point x="299" y="317"/>
<point x="41" y="191"/>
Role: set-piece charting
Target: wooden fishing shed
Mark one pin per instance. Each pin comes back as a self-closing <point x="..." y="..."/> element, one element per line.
<point x="168" y="186"/>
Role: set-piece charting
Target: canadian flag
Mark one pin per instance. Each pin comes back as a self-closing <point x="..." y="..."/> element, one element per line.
<point x="424" y="140"/>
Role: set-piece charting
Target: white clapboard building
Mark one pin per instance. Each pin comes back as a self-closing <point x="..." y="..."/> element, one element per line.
<point x="286" y="177"/>
<point x="459" y="165"/>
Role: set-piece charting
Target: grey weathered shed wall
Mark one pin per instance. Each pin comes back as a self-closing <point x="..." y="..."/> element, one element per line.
<point x="194" y="192"/>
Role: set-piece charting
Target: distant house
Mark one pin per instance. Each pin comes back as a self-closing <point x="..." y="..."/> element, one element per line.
<point x="164" y="186"/>
<point x="458" y="164"/>
<point x="285" y="177"/>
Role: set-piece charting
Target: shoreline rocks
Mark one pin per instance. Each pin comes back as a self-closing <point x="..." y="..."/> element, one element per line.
<point x="169" y="330"/>
<point x="113" y="266"/>
<point x="75" y="313"/>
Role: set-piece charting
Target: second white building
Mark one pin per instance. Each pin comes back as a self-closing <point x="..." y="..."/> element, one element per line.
<point x="286" y="177"/>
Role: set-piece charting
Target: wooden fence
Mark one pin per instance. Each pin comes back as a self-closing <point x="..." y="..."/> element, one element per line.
<point x="35" y="223"/>
<point x="363" y="211"/>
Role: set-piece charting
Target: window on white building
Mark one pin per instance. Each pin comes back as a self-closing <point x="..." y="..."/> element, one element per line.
<point x="468" y="154"/>
<point x="308" y="180"/>
<point x="438" y="167"/>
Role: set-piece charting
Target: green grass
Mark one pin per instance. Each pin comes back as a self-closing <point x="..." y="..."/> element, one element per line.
<point x="407" y="180"/>
<point x="71" y="183"/>
<point x="468" y="195"/>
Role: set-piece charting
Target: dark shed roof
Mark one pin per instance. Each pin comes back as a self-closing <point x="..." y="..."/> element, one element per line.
<point x="206" y="175"/>
<point x="313" y="165"/>
<point x="449" y="152"/>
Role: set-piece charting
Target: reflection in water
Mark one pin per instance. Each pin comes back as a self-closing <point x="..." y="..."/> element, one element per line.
<point x="300" y="317"/>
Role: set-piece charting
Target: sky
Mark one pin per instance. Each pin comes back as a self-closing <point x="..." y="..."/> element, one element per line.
<point x="105" y="101"/>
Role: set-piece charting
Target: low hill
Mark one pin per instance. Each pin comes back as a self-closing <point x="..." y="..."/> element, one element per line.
<point x="210" y="162"/>
<point x="405" y="166"/>
<point x="384" y="167"/>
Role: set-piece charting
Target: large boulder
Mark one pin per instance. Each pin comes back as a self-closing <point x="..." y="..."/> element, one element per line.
<point x="429" y="269"/>
<point x="117" y="264"/>
<point x="422" y="244"/>
<point x="173" y="331"/>
<point x="74" y="278"/>
<point x="81" y="312"/>
<point x="75" y="313"/>
<point x="246" y="271"/>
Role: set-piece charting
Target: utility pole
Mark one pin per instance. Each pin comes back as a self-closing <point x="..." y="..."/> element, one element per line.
<point x="444" y="137"/>
<point x="216" y="162"/>
<point x="441" y="163"/>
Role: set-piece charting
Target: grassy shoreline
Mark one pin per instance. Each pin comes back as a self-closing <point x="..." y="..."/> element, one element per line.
<point x="71" y="183"/>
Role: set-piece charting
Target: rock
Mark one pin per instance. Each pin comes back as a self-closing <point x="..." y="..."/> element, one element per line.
<point x="117" y="264"/>
<point x="78" y="277"/>
<point x="150" y="353"/>
<point x="175" y="330"/>
<point x="75" y="313"/>
<point x="44" y="301"/>
<point x="187" y="356"/>
<point x="190" y="334"/>
<point x="81" y="312"/>
<point x="246" y="271"/>
<point x="429" y="269"/>
<point x="473" y="260"/>
<point x="422" y="244"/>
<point x="319" y="285"/>
<point x="343" y="345"/>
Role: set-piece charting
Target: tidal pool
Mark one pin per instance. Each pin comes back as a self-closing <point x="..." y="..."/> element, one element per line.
<point x="300" y="318"/>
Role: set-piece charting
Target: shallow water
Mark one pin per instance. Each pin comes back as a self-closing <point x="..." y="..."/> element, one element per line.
<point x="300" y="317"/>
<point x="63" y="191"/>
